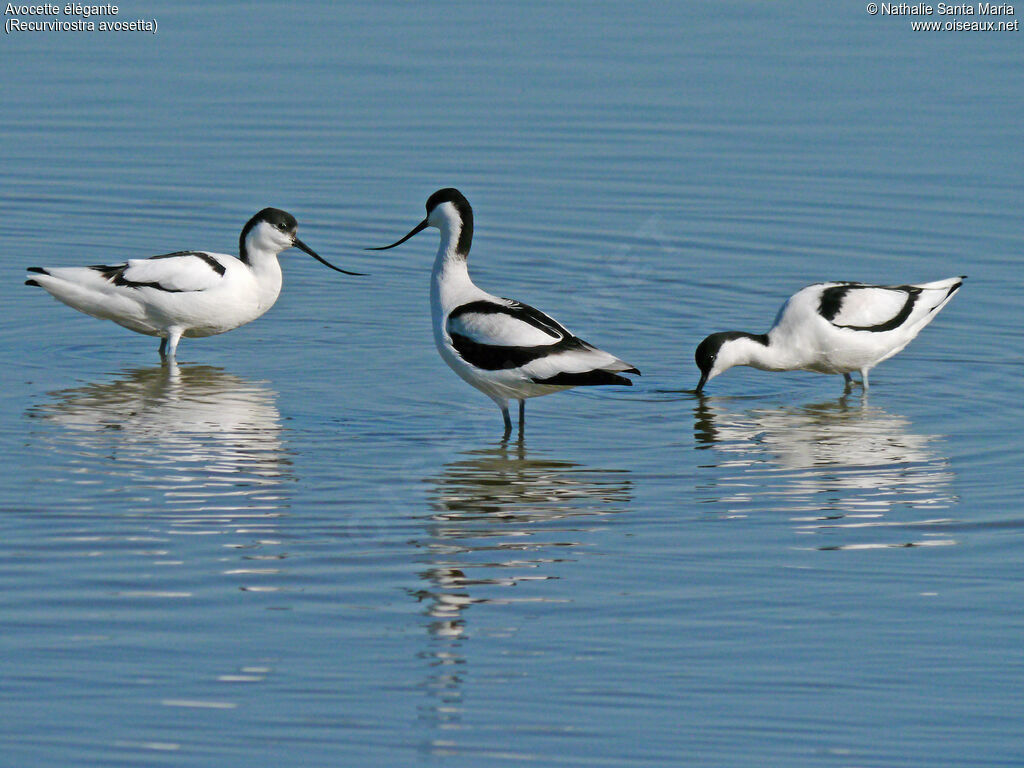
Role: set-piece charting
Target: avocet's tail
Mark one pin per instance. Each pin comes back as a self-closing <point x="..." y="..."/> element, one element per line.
<point x="934" y="296"/>
<point x="88" y="291"/>
<point x="583" y="365"/>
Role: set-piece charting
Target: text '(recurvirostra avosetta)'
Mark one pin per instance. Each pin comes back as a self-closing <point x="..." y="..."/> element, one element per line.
<point x="71" y="17"/>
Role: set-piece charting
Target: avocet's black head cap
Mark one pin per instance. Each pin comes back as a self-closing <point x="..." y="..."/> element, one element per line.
<point x="461" y="205"/>
<point x="709" y="350"/>
<point x="277" y="218"/>
<point x="449" y="195"/>
<point x="285" y="223"/>
<point x="707" y="353"/>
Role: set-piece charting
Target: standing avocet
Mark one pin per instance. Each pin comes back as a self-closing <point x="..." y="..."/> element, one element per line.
<point x="506" y="349"/>
<point x="187" y="293"/>
<point x="831" y="328"/>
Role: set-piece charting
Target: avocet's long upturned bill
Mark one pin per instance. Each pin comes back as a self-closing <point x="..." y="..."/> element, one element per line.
<point x="831" y="328"/>
<point x="507" y="350"/>
<point x="187" y="293"/>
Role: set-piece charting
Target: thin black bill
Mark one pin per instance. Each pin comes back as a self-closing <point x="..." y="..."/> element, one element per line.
<point x="303" y="247"/>
<point x="418" y="228"/>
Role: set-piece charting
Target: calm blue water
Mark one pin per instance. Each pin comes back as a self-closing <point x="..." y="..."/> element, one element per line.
<point x="305" y="545"/>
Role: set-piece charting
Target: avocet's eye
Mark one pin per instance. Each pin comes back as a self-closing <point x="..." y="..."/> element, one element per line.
<point x="283" y="226"/>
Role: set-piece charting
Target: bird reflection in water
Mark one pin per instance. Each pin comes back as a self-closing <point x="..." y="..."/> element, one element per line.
<point x="193" y="443"/>
<point x="841" y="466"/>
<point x="501" y="518"/>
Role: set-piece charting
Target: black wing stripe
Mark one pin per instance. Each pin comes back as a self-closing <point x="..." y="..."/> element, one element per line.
<point x="586" y="378"/>
<point x="211" y="262"/>
<point x="952" y="289"/>
<point x="115" y="273"/>
<point x="832" y="302"/>
<point x="519" y="311"/>
<point x="490" y="357"/>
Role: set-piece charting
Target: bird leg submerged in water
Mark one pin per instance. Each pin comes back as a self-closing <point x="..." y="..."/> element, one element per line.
<point x="508" y="421"/>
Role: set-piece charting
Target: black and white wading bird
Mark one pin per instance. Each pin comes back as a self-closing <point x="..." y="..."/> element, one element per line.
<point x="506" y="349"/>
<point x="187" y="293"/>
<point x="831" y="328"/>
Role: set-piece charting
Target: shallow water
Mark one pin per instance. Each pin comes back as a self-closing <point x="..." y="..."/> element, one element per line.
<point x="305" y="543"/>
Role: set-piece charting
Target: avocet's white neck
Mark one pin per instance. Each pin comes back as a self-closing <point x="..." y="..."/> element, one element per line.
<point x="262" y="246"/>
<point x="746" y="351"/>
<point x="456" y="234"/>
<point x="755" y="351"/>
<point x="450" y="281"/>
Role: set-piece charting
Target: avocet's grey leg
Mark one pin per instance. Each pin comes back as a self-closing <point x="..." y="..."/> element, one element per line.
<point x="864" y="378"/>
<point x="173" y="337"/>
<point x="163" y="348"/>
<point x="508" y="422"/>
<point x="522" y="416"/>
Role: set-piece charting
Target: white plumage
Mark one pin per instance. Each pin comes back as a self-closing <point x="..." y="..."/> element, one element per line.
<point x="506" y="349"/>
<point x="187" y="293"/>
<point x="831" y="328"/>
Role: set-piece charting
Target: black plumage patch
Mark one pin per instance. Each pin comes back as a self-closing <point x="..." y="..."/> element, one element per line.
<point x="952" y="289"/>
<point x="585" y="378"/>
<point x="831" y="304"/>
<point x="456" y="198"/>
<point x="38" y="271"/>
<point x="832" y="300"/>
<point x="492" y="357"/>
<point x="283" y="220"/>
<point x="115" y="273"/>
<point x="211" y="262"/>
<point x="708" y="349"/>
<point x="522" y="312"/>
